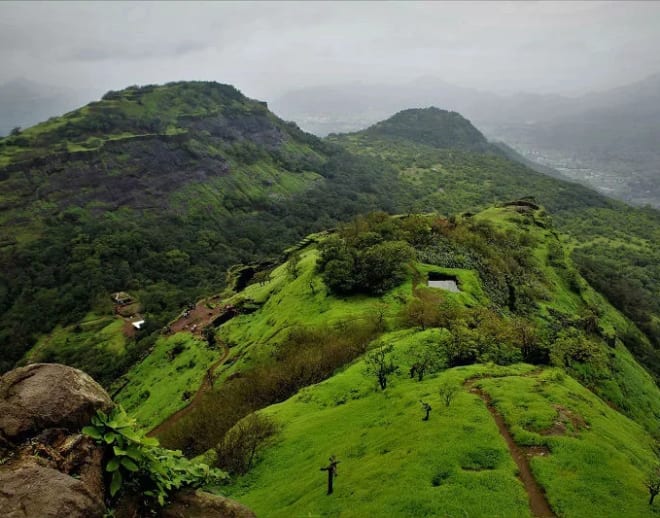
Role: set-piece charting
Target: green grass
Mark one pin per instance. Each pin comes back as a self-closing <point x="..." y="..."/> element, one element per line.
<point x="156" y="385"/>
<point x="100" y="331"/>
<point x="288" y="302"/>
<point x="456" y="464"/>
<point x="391" y="461"/>
<point x="596" y="468"/>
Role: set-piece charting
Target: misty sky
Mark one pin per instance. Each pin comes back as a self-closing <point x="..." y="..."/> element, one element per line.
<point x="267" y="48"/>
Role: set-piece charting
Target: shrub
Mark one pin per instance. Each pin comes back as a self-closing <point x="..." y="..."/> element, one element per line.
<point x="237" y="450"/>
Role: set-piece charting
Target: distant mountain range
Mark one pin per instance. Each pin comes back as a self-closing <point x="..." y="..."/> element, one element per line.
<point x="609" y="140"/>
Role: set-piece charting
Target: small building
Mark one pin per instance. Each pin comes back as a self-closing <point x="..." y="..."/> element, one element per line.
<point x="138" y="324"/>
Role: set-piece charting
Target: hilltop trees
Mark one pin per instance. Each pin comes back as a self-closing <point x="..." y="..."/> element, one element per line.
<point x="366" y="265"/>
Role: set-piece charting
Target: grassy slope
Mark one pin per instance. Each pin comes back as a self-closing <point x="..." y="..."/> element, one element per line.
<point x="612" y="240"/>
<point x="380" y="438"/>
<point x="624" y="383"/>
<point x="391" y="459"/>
<point x="100" y="331"/>
<point x="156" y="385"/>
<point x="596" y="468"/>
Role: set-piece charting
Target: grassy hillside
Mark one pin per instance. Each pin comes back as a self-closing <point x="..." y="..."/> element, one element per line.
<point x="616" y="247"/>
<point x="549" y="360"/>
<point x="158" y="190"/>
<point x="457" y="463"/>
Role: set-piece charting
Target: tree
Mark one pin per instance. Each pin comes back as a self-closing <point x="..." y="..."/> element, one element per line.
<point x="447" y="392"/>
<point x="424" y="310"/>
<point x="15" y="131"/>
<point x="209" y="335"/>
<point x="380" y="365"/>
<point x="427" y="410"/>
<point x="653" y="483"/>
<point x="425" y="358"/>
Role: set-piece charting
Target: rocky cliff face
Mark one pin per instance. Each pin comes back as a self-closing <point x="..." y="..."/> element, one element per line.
<point x="49" y="469"/>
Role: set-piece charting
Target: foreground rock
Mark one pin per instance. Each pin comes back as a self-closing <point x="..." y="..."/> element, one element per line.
<point x="198" y="504"/>
<point x="45" y="395"/>
<point x="29" y="490"/>
<point x="48" y="469"/>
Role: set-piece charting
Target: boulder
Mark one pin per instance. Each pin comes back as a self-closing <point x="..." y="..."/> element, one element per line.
<point x="45" y="395"/>
<point x="29" y="490"/>
<point x="198" y="504"/>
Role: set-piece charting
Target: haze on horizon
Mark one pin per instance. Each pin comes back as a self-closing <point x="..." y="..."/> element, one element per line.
<point x="266" y="49"/>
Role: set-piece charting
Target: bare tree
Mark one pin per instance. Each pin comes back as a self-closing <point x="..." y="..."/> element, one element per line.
<point x="427" y="409"/>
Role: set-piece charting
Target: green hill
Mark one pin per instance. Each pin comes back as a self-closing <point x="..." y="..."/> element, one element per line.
<point x="157" y="190"/>
<point x="432" y="127"/>
<point x="615" y="246"/>
<point x="154" y="190"/>
<point x="524" y="332"/>
<point x="534" y="362"/>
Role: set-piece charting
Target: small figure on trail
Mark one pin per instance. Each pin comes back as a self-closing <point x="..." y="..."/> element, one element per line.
<point x="209" y="377"/>
<point x="427" y="408"/>
<point x="332" y="472"/>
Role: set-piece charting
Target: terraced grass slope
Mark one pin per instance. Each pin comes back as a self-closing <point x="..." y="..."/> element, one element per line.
<point x="545" y="366"/>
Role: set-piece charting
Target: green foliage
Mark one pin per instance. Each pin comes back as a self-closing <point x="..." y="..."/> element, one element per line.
<point x="364" y="263"/>
<point x="153" y="388"/>
<point x="137" y="464"/>
<point x="652" y="483"/>
<point x="306" y="356"/>
<point x="448" y="392"/>
<point x="378" y="363"/>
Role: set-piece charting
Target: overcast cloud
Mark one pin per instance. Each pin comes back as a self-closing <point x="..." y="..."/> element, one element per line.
<point x="267" y="48"/>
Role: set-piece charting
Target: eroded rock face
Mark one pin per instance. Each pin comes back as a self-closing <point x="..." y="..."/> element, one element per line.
<point x="29" y="490"/>
<point x="46" y="395"/>
<point x="198" y="504"/>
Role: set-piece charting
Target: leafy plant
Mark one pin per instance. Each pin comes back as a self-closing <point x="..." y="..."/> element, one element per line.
<point x="138" y="462"/>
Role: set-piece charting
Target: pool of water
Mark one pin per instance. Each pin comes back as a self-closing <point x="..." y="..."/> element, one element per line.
<point x="448" y="285"/>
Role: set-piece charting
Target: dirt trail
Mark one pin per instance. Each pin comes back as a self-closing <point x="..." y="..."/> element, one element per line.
<point x="207" y="384"/>
<point x="538" y="503"/>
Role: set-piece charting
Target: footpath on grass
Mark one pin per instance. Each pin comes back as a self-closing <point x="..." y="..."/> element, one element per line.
<point x="206" y="385"/>
<point x="538" y="503"/>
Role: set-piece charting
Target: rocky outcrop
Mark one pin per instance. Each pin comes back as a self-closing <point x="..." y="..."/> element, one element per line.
<point x="198" y="504"/>
<point x="29" y="490"/>
<point x="49" y="468"/>
<point x="43" y="395"/>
